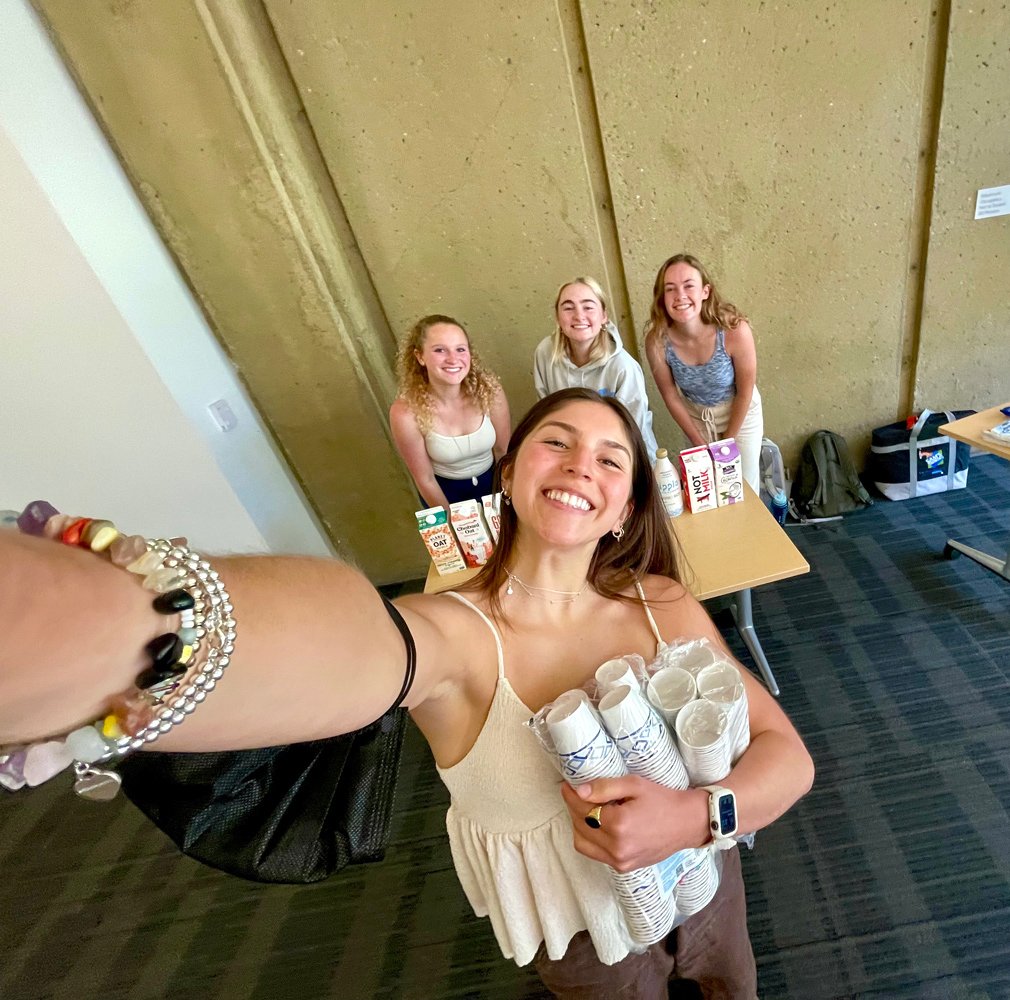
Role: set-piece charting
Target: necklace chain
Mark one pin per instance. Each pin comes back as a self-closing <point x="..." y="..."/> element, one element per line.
<point x="564" y="596"/>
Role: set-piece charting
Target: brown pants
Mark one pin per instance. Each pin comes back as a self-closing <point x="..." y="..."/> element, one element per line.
<point x="711" y="951"/>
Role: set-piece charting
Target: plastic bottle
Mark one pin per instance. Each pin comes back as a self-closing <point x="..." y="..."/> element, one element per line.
<point x="669" y="484"/>
<point x="779" y="506"/>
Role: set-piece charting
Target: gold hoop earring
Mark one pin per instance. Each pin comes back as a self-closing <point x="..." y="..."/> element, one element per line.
<point x="618" y="532"/>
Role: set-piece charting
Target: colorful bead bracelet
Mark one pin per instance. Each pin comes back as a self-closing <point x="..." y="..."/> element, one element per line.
<point x="184" y="665"/>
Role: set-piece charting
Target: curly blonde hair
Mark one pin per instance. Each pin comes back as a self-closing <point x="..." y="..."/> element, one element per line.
<point x="714" y="311"/>
<point x="480" y="385"/>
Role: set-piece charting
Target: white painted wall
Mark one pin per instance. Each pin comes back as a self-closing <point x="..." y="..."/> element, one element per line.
<point x="108" y="365"/>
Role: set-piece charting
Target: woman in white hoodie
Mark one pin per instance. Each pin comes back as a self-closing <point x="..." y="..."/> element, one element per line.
<point x="585" y="351"/>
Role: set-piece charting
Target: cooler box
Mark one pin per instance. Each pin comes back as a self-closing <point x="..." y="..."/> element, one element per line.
<point x="914" y="462"/>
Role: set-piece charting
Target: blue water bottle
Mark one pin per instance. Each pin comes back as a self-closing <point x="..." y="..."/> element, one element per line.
<point x="779" y="506"/>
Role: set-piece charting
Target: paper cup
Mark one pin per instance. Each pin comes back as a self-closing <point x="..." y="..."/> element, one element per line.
<point x="698" y="886"/>
<point x="705" y="742"/>
<point x="642" y="738"/>
<point x="721" y="684"/>
<point x="669" y="690"/>
<point x="613" y="673"/>
<point x="694" y="658"/>
<point x="624" y="710"/>
<point x="585" y="752"/>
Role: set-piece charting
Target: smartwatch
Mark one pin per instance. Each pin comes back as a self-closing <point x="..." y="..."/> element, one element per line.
<point x="721" y="816"/>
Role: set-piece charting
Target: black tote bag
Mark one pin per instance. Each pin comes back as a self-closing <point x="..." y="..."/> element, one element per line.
<point x="294" y="813"/>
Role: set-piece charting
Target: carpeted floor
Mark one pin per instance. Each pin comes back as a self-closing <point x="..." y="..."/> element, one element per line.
<point x="891" y="879"/>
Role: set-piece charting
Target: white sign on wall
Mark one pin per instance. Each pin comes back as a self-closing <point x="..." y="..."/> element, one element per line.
<point x="991" y="202"/>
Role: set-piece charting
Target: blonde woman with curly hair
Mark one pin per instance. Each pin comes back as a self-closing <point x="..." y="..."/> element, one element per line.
<point x="701" y="351"/>
<point x="586" y="352"/>
<point x="450" y="421"/>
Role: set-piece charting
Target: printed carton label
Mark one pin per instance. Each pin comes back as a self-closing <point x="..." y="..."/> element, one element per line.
<point x="699" y="479"/>
<point x="433" y="524"/>
<point x="471" y="533"/>
<point x="728" y="468"/>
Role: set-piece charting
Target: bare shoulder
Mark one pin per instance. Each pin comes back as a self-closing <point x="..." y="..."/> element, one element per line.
<point x="401" y="415"/>
<point x="447" y="633"/>
<point x="738" y="336"/>
<point x="678" y="614"/>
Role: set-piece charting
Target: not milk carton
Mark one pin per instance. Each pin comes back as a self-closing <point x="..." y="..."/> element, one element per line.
<point x="699" y="479"/>
<point x="728" y="468"/>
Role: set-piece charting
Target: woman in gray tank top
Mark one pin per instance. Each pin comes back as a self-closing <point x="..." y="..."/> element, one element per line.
<point x="702" y="355"/>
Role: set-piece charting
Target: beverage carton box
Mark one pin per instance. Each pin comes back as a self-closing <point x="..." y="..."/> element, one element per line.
<point x="471" y="531"/>
<point x="698" y="478"/>
<point x="728" y="467"/>
<point x="492" y="514"/>
<point x="433" y="523"/>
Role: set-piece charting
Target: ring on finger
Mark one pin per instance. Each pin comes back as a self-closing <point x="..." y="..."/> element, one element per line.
<point x="594" y="818"/>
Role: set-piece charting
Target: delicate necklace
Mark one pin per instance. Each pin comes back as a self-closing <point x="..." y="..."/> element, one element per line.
<point x="563" y="596"/>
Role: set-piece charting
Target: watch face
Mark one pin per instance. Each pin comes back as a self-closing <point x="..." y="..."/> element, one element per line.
<point x="727" y="814"/>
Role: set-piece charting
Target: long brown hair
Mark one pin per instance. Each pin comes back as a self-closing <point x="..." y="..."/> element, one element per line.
<point x="647" y="545"/>
<point x="714" y="310"/>
<point x="480" y="385"/>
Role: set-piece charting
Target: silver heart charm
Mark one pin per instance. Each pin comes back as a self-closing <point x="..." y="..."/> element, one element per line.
<point x="97" y="785"/>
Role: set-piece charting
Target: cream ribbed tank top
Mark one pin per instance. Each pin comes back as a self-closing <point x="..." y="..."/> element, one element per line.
<point x="511" y="837"/>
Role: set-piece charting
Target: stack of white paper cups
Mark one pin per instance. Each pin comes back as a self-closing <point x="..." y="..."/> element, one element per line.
<point x="705" y="743"/>
<point x="669" y="690"/>
<point x="649" y="750"/>
<point x="641" y="736"/>
<point x="584" y="750"/>
<point x="586" y="753"/>
<point x="721" y="684"/>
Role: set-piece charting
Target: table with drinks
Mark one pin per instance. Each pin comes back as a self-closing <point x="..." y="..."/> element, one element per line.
<point x="728" y="550"/>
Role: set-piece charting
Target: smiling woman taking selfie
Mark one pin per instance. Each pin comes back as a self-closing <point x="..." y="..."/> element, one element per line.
<point x="585" y="570"/>
<point x="450" y="420"/>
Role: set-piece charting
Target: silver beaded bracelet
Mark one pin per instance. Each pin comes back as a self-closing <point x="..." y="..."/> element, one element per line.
<point x="186" y="666"/>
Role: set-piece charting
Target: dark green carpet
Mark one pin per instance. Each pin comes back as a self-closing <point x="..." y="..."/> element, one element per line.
<point x="891" y="879"/>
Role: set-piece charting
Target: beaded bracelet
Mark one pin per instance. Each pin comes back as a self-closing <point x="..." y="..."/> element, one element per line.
<point x="184" y="665"/>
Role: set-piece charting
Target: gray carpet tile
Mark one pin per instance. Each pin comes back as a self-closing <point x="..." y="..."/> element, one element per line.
<point x="891" y="879"/>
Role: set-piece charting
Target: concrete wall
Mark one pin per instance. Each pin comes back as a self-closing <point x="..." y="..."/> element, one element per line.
<point x="107" y="339"/>
<point x="327" y="172"/>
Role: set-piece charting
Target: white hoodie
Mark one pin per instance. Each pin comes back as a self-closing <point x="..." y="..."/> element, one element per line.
<point x="619" y="375"/>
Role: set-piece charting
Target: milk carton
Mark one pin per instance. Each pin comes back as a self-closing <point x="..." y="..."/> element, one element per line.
<point x="728" y="471"/>
<point x="471" y="532"/>
<point x="699" y="479"/>
<point x="492" y="513"/>
<point x="433" y="524"/>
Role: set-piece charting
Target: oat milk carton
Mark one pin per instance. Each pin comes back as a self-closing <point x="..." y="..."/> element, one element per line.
<point x="433" y="524"/>
<point x="492" y="514"/>
<point x="699" y="479"/>
<point x="471" y="532"/>
<point x="728" y="471"/>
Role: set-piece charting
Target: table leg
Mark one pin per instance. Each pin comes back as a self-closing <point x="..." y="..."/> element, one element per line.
<point x="1001" y="567"/>
<point x="743" y="615"/>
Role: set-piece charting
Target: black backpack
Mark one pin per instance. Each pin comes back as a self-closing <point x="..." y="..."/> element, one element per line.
<point x="827" y="483"/>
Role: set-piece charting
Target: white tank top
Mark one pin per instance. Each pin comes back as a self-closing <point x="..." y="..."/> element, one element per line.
<point x="511" y="837"/>
<point x="461" y="456"/>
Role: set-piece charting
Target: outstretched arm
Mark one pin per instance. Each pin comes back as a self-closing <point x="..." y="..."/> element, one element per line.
<point x="316" y="652"/>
